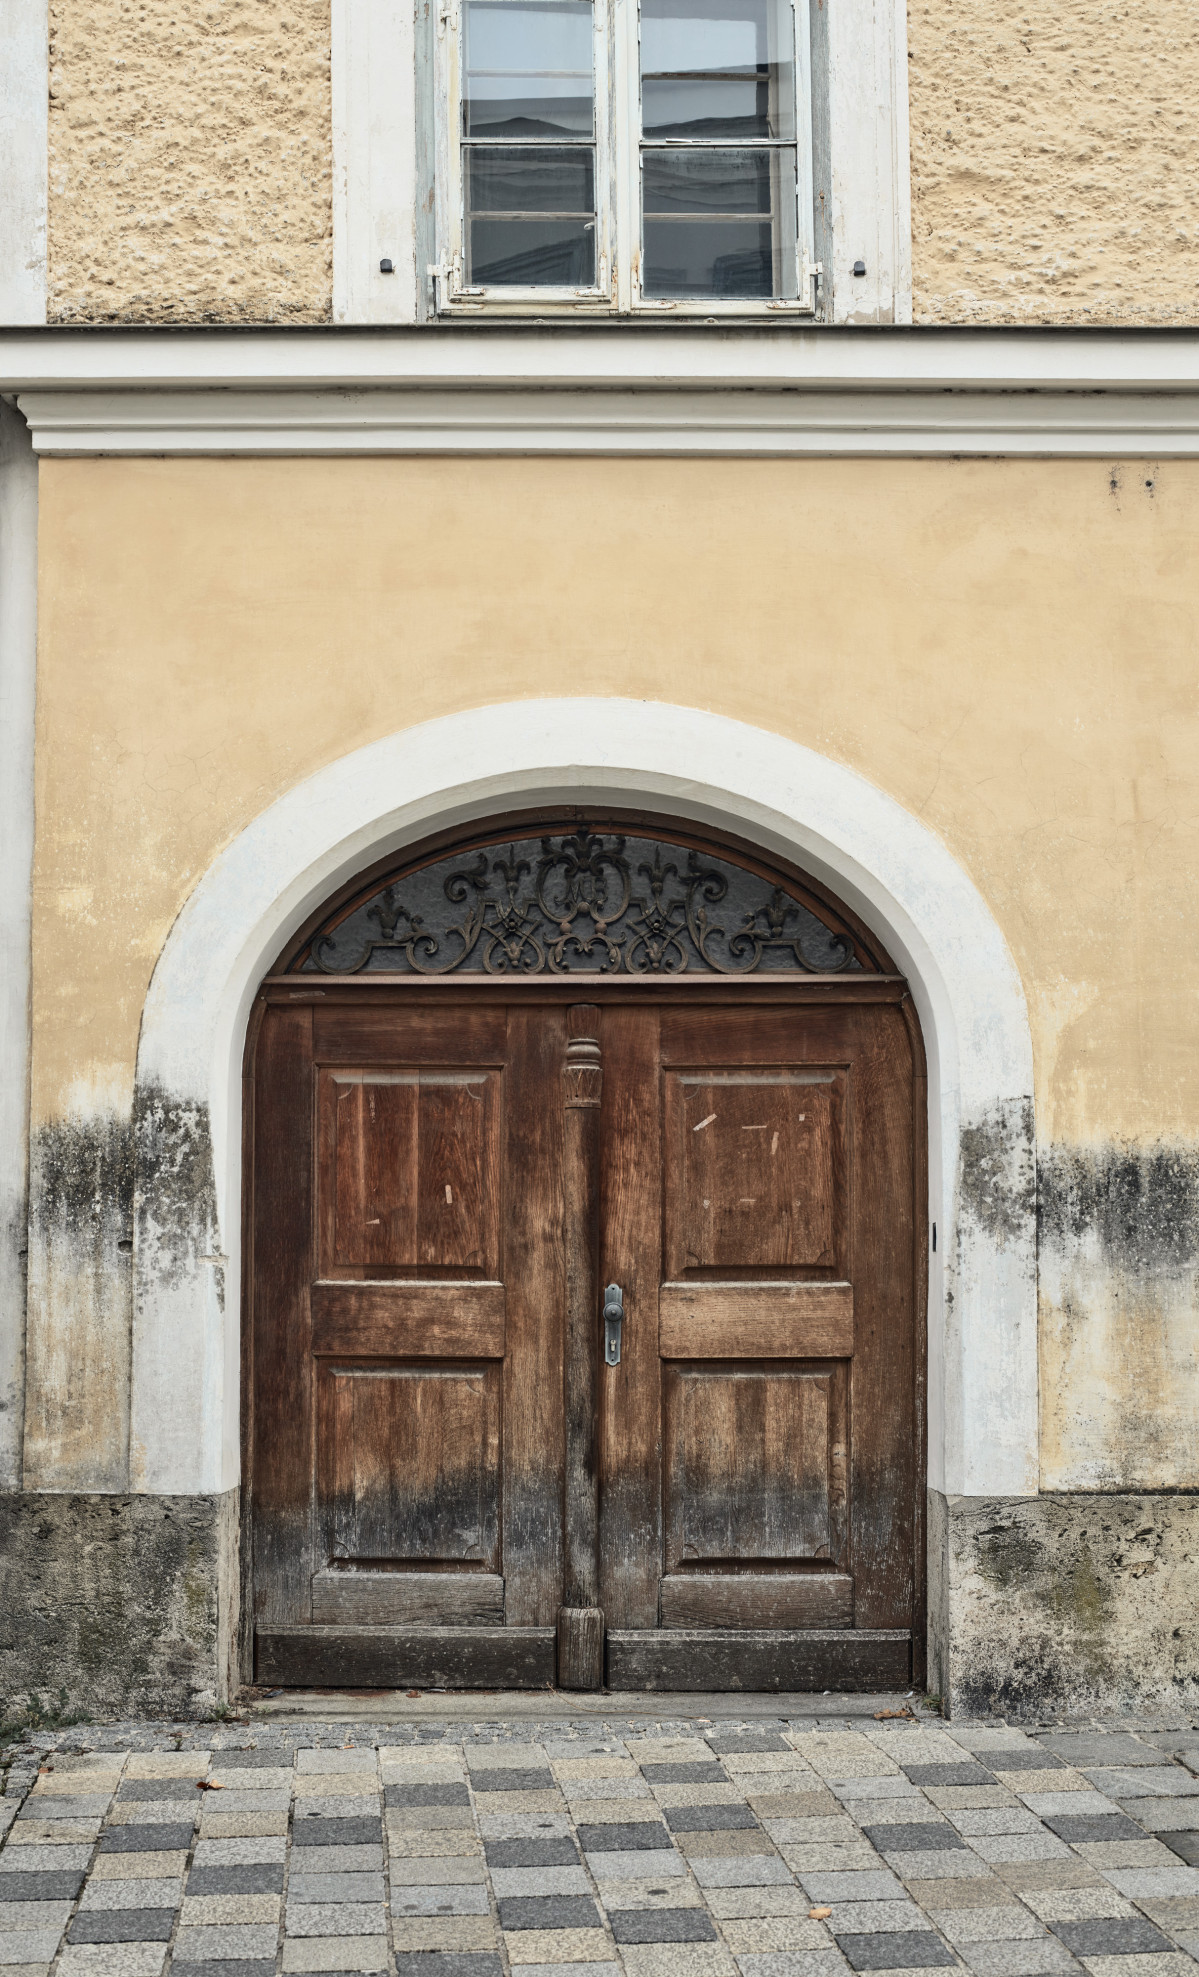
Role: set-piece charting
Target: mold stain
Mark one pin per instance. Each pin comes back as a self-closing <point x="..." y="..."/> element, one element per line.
<point x="998" y="1172"/>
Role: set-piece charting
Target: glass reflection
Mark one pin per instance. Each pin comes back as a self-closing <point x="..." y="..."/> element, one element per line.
<point x="529" y="197"/>
<point x="718" y="69"/>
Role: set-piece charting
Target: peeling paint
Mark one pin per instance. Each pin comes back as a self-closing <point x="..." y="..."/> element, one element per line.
<point x="80" y="1305"/>
<point x="1118" y="1286"/>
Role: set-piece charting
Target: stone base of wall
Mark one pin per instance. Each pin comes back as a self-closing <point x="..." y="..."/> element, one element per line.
<point x="117" y="1605"/>
<point x="1064" y="1603"/>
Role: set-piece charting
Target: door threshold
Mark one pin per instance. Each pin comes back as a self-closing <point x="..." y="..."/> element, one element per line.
<point x="501" y="1706"/>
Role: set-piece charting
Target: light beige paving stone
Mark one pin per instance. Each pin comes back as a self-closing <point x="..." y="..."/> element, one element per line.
<point x="142" y="1893"/>
<point x="911" y="1811"/>
<point x="340" y="1763"/>
<point x="987" y="1925"/>
<point x="76" y="1784"/>
<point x="407" y="1845"/>
<point x="26" y="1970"/>
<point x="53" y="1832"/>
<point x="669" y="1750"/>
<point x="830" y="1832"/>
<point x="680" y="1960"/>
<point x="741" y="1903"/>
<point x="139" y="1866"/>
<point x="310" y="1953"/>
<point x="552" y="1946"/>
<point x="435" y="1873"/>
<point x="766" y="1933"/>
<point x="514" y="1802"/>
<point x="837" y="1860"/>
<point x="1177" y="1912"/>
<point x="18" y="1917"/>
<point x="112" y="1959"/>
<point x="961" y="1798"/>
<point x="585" y="1790"/>
<point x="442" y="1773"/>
<point x="219" y="1942"/>
<point x="649" y="1892"/>
<point x="168" y="1764"/>
<point x="698" y="1794"/>
<point x="694" y="1844"/>
<point x="1171" y="1963"/>
<point x="419" y="1753"/>
<point x="846" y="1755"/>
<point x="973" y="1822"/>
<point x="576" y="1969"/>
<point x="983" y="1891"/>
<point x="1076" y="1904"/>
<point x="242" y="1779"/>
<point x="429" y="1818"/>
<point x="258" y="1852"/>
<point x="92" y="1760"/>
<point x="618" y="1812"/>
<point x="28" y="1945"/>
<point x="216" y="1825"/>
<point x="1021" y="1874"/>
<point x="571" y="1768"/>
<point x="218" y="1910"/>
<point x="793" y="1805"/>
<point x="1125" y="1853"/>
<point x="264" y="1801"/>
<point x="786" y="1763"/>
<point x="336" y="1785"/>
<point x="444" y="1932"/>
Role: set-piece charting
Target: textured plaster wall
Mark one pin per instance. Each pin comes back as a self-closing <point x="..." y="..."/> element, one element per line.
<point x="190" y="167"/>
<point x="1055" y="161"/>
<point x="1065" y="1603"/>
<point x="1005" y="647"/>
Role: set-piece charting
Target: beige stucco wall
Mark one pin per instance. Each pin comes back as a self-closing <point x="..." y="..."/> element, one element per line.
<point x="1006" y="648"/>
<point x="1055" y="161"/>
<point x="190" y="167"/>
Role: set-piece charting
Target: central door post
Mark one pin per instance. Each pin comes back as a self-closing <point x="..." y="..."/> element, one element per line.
<point x="580" y="1620"/>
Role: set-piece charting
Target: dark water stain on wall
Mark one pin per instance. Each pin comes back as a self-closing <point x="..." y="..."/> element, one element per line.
<point x="998" y="1171"/>
<point x="1140" y="1204"/>
<point x="176" y="1191"/>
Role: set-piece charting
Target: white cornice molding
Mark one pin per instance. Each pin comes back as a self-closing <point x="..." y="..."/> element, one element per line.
<point x="620" y="390"/>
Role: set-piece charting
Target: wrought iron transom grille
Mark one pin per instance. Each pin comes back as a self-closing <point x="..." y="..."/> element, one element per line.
<point x="581" y="900"/>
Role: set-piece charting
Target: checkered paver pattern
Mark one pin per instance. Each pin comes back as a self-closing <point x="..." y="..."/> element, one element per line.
<point x="769" y="1848"/>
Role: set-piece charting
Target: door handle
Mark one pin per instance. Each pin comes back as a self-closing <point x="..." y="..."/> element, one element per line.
<point x="613" y="1319"/>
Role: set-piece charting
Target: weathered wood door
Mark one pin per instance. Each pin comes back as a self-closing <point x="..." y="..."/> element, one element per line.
<point x="758" y="1441"/>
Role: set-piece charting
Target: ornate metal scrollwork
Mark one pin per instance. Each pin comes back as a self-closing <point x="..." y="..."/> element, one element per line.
<point x="582" y="901"/>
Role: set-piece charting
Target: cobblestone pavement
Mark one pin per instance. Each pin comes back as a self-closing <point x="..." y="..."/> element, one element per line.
<point x="766" y="1847"/>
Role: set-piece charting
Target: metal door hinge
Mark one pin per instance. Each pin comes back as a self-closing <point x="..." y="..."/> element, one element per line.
<point x="445" y="279"/>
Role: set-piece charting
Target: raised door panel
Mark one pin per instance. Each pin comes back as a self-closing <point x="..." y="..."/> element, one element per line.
<point x="753" y="1167"/>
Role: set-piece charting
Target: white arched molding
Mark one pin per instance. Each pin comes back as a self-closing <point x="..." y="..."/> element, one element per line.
<point x="873" y="853"/>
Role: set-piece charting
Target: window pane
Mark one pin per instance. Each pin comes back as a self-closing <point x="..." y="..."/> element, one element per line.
<point x="717" y="68"/>
<point x="527" y="69"/>
<point x="719" y="223"/>
<point x="530" y="253"/>
<point x="511" y="181"/>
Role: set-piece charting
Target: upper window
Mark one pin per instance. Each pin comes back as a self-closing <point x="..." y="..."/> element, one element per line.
<point x="611" y="156"/>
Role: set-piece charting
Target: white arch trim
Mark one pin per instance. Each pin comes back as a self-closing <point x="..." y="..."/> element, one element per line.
<point x="876" y="855"/>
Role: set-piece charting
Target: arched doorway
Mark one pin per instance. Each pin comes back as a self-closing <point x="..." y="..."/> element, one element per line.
<point x="585" y="1245"/>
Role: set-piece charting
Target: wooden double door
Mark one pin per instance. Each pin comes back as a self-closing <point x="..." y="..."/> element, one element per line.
<point x="460" y="1473"/>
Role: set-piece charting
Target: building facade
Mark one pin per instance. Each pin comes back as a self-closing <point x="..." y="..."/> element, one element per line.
<point x="597" y="614"/>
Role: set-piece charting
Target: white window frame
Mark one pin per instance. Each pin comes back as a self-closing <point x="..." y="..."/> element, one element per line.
<point x="386" y="178"/>
<point x="618" y="163"/>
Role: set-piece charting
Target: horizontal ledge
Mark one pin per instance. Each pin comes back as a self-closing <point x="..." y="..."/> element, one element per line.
<point x="735" y="416"/>
<point x="755" y="1321"/>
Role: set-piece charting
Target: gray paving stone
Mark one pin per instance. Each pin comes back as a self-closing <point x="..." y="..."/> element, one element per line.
<point x="259" y="1878"/>
<point x="134" y="1790"/>
<point x="124" y="1925"/>
<point x="220" y="1942"/>
<point x="305" y="1887"/>
<point x="508" y="1779"/>
<point x="1129" y="1935"/>
<point x="265" y="1850"/>
<point x="741" y="1871"/>
<point x="232" y="1967"/>
<point x="441" y="1901"/>
<point x="250" y="1760"/>
<point x="1092" y="1826"/>
<point x="20" y="1916"/>
<point x="1137" y="1881"/>
<point x="792" y="1963"/>
<point x="920" y="1836"/>
<point x="41" y="1885"/>
<point x="518" y="1912"/>
<point x="29" y="1949"/>
<point x="645" y="1836"/>
<point x="523" y="1825"/>
<point x="1163" y="1815"/>
<point x="1185" y="1845"/>
<point x="854" y="1918"/>
<point x="421" y="1795"/>
<point x="1082" y="1748"/>
<point x="710" y="1818"/>
<point x="685" y="1774"/>
<point x="636" y="1866"/>
<point x="36" y="1860"/>
<point x="148" y="1839"/>
<point x="893" y="1949"/>
<point x="1007" y="1848"/>
<point x="156" y="1893"/>
<point x="342" y="1763"/>
<point x="309" y="1830"/>
<point x="744" y="1743"/>
<point x="1157" y="1781"/>
<point x="1028" y="1758"/>
<point x="661" y="1925"/>
<point x="965" y="1773"/>
<point x="556" y="1852"/>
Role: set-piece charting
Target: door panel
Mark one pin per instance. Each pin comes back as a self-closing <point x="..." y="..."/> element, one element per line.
<point x="759" y="1438"/>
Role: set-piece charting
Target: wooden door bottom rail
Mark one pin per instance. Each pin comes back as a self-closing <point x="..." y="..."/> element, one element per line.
<point x="405" y="1657"/>
<point x="759" y="1660"/>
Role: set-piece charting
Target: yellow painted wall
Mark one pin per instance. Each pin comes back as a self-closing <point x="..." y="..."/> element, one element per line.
<point x="1007" y="648"/>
